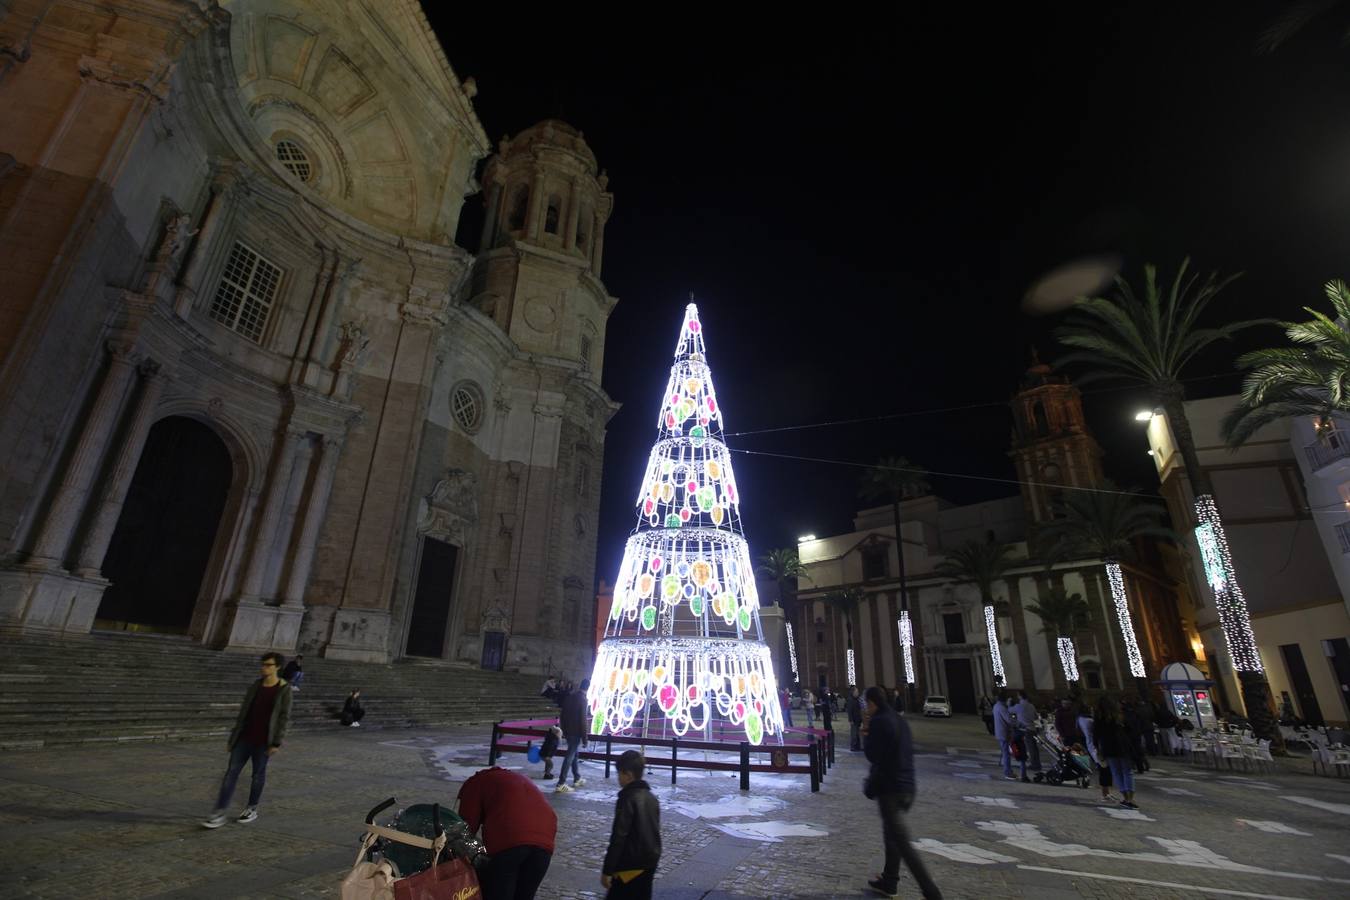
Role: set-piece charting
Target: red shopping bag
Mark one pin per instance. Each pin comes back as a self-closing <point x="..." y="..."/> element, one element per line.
<point x="452" y="880"/>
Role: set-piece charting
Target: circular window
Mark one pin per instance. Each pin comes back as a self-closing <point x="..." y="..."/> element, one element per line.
<point x="293" y="157"/>
<point x="466" y="405"/>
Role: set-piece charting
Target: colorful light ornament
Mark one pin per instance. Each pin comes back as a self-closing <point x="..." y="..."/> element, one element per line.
<point x="1234" y="616"/>
<point x="1067" y="658"/>
<point x="683" y="649"/>
<point x="852" y="672"/>
<point x="1117" y="580"/>
<point x="995" y="653"/>
<point x="792" y="650"/>
<point x="906" y="628"/>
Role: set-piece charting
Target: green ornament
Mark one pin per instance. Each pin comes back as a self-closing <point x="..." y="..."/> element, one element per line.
<point x="598" y="723"/>
<point x="673" y="520"/>
<point x="754" y="727"/>
<point x="696" y="604"/>
<point x="686" y="408"/>
<point x="707" y="498"/>
<point x="744" y="616"/>
<point x="670" y="586"/>
<point x="649" y="617"/>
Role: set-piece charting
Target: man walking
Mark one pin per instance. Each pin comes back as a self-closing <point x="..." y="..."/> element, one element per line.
<point x="257" y="735"/>
<point x="1028" y="722"/>
<point x="890" y="750"/>
<point x="519" y="831"/>
<point x="573" y="721"/>
<point x="1003" y="733"/>
<point x="854" y="707"/>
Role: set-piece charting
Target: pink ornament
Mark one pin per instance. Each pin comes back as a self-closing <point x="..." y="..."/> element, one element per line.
<point x="684" y="514"/>
<point x="648" y="507"/>
<point x="670" y="420"/>
<point x="695" y="327"/>
<point x="667" y="697"/>
<point x="691" y="487"/>
<point x="712" y="405"/>
<point x="730" y="491"/>
<point x="655" y="564"/>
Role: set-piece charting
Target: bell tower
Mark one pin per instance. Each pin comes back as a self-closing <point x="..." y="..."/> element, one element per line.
<point x="537" y="273"/>
<point x="1051" y="445"/>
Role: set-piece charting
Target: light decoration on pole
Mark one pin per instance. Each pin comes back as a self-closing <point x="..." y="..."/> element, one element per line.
<point x="995" y="654"/>
<point x="1222" y="577"/>
<point x="1067" y="658"/>
<point x="683" y="648"/>
<point x="1117" y="580"/>
<point x="852" y="672"/>
<point x="792" y="651"/>
<point x="906" y="644"/>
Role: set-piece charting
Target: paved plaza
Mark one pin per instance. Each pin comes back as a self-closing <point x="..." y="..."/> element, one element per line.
<point x="122" y="821"/>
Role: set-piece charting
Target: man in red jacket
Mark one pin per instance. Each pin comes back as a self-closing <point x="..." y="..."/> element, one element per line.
<point x="519" y="828"/>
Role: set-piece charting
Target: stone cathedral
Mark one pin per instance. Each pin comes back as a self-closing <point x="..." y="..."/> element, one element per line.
<point x="251" y="391"/>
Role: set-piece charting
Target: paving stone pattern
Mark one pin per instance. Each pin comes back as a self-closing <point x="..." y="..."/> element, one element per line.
<point x="122" y="821"/>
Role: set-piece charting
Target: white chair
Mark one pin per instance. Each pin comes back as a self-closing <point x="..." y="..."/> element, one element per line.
<point x="1340" y="759"/>
<point x="1258" y="754"/>
<point x="1230" y="752"/>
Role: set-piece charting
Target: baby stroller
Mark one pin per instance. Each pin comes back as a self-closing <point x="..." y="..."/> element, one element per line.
<point x="426" y="854"/>
<point x="1065" y="769"/>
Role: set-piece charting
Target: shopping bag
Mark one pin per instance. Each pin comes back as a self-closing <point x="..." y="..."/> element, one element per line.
<point x="451" y="880"/>
<point x="368" y="880"/>
<point x="532" y="753"/>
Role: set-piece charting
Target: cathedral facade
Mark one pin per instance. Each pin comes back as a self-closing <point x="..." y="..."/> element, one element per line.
<point x="251" y="390"/>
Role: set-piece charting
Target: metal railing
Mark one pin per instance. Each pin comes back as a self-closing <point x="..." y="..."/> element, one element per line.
<point x="1325" y="452"/>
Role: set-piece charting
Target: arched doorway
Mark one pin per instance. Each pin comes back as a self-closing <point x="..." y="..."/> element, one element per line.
<point x="164" y="537"/>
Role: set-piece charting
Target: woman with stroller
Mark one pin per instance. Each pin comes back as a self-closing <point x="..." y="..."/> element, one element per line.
<point x="1112" y="740"/>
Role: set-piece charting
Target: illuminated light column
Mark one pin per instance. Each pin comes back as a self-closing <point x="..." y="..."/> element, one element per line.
<point x="683" y="649"/>
<point x="792" y="651"/>
<point x="1067" y="658"/>
<point x="907" y="644"/>
<point x="995" y="654"/>
<point x="1113" y="574"/>
<point x="852" y="672"/>
<point x="1228" y="599"/>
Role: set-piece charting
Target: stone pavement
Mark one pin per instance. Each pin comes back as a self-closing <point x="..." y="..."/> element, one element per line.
<point x="121" y="821"/>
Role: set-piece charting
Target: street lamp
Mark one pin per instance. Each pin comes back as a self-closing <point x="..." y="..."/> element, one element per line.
<point x="1143" y="415"/>
<point x="806" y="537"/>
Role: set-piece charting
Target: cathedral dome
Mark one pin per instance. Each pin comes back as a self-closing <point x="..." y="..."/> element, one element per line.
<point x="551" y="133"/>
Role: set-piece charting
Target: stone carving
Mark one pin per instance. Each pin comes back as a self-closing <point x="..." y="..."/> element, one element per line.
<point x="178" y="231"/>
<point x="450" y="511"/>
<point x="540" y="315"/>
<point x="494" y="619"/>
<point x="354" y="347"/>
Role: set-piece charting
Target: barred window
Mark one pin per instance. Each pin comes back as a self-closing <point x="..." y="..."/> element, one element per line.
<point x="466" y="405"/>
<point x="247" y="290"/>
<point x="586" y="350"/>
<point x="293" y="157"/>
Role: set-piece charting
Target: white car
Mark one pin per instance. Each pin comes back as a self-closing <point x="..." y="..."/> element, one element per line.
<point x="937" y="706"/>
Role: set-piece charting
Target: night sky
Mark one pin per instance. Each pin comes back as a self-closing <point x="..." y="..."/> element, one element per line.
<point x="860" y="207"/>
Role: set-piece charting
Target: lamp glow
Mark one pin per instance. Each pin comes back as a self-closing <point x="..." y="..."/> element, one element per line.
<point x="995" y="653"/>
<point x="852" y="673"/>
<point x="907" y="644"/>
<point x="1067" y="658"/>
<point x="792" y="651"/>
<point x="1228" y="599"/>
<point x="806" y="537"/>
<point x="1117" y="580"/>
<point x="1143" y="415"/>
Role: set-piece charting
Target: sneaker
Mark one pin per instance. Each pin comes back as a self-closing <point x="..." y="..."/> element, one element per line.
<point x="215" y="820"/>
<point x="880" y="888"/>
<point x="1010" y="777"/>
<point x="562" y="789"/>
<point x="356" y="724"/>
<point x="579" y="782"/>
<point x="249" y="814"/>
<point x="1129" y="805"/>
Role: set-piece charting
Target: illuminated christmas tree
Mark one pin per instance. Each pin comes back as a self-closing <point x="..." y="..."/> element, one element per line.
<point x="683" y="649"/>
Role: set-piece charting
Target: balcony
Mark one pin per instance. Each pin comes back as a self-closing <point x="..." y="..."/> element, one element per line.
<point x="1335" y="448"/>
<point x="1343" y="532"/>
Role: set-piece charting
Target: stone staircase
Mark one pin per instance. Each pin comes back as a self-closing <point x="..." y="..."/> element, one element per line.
<point x="116" y="687"/>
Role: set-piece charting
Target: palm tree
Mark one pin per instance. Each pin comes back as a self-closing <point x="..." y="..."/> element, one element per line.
<point x="1311" y="378"/>
<point x="846" y="602"/>
<point x="1103" y="524"/>
<point x="896" y="479"/>
<point x="982" y="564"/>
<point x="1150" y="340"/>
<point x="1063" y="615"/>
<point x="783" y="565"/>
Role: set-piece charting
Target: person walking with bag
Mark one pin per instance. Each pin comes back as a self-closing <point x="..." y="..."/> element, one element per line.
<point x="891" y="782"/>
<point x="573" y="721"/>
<point x="257" y="735"/>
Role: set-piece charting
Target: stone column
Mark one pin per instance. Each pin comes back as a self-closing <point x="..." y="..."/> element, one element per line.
<point x="573" y="212"/>
<point x="597" y="245"/>
<point x="191" y="278"/>
<point x="266" y="524"/>
<point x="535" y="213"/>
<point x="115" y="491"/>
<point x="313" y="519"/>
<point x="54" y="539"/>
<point x="494" y="202"/>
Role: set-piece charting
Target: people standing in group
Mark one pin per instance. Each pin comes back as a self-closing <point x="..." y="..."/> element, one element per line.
<point x="573" y="722"/>
<point x="854" y="708"/>
<point x="352" y="710"/>
<point x="1112" y="738"/>
<point x="785" y="704"/>
<point x="634" y="849"/>
<point x="1084" y="723"/>
<point x="987" y="712"/>
<point x="1006" y="735"/>
<point x="890" y="781"/>
<point x="809" y="704"/>
<point x="519" y="831"/>
<point x="294" y="673"/>
<point x="258" y="732"/>
<point x="1138" y="719"/>
<point x="1027" y="724"/>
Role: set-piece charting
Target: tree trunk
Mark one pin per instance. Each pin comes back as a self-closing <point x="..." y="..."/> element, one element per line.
<point x="1020" y="638"/>
<point x="910" y="698"/>
<point x="991" y="634"/>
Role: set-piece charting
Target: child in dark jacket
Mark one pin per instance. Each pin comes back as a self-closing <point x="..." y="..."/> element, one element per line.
<point x="635" y="840"/>
<point x="548" y="748"/>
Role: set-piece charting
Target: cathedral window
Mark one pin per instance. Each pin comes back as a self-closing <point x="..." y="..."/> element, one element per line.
<point x="552" y="215"/>
<point x="246" y="293"/>
<point x="586" y="350"/>
<point x="293" y="157"/>
<point x="466" y="405"/>
<point x="583" y="479"/>
<point x="875" y="562"/>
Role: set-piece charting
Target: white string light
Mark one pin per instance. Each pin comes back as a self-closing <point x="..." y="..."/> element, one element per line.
<point x="995" y="654"/>
<point x="907" y="644"/>
<point x="1228" y="600"/>
<point x="852" y="673"/>
<point x="1067" y="658"/>
<point x="1117" y="580"/>
<point x="792" y="651"/>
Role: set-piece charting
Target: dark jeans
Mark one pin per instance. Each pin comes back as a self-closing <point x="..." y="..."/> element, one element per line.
<point x="514" y="874"/>
<point x="241" y="753"/>
<point x="640" y="888"/>
<point x="570" y="758"/>
<point x="854" y="739"/>
<point x="896" y="838"/>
